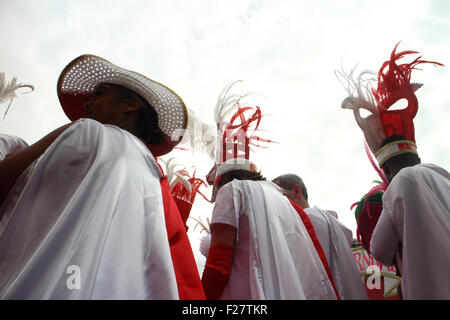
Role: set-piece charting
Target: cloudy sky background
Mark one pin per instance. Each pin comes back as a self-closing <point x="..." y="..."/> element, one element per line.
<point x="285" y="50"/>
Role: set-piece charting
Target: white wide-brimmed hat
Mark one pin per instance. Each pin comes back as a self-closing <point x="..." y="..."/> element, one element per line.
<point x="79" y="79"/>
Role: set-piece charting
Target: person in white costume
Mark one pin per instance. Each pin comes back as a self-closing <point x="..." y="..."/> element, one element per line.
<point x="414" y="226"/>
<point x="9" y="145"/>
<point x="90" y="222"/>
<point x="335" y="238"/>
<point x="273" y="256"/>
<point x="259" y="247"/>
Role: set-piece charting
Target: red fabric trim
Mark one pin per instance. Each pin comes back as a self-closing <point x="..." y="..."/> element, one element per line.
<point x="186" y="272"/>
<point x="217" y="270"/>
<point x="310" y="228"/>
<point x="184" y="208"/>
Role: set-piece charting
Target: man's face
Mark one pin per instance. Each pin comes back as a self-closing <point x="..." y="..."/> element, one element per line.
<point x="105" y="105"/>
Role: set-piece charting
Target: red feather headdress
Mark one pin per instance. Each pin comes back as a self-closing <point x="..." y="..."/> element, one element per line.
<point x="236" y="135"/>
<point x="393" y="84"/>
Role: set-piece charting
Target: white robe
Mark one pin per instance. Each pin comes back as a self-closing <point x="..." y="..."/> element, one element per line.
<point x="10" y="144"/>
<point x="335" y="244"/>
<point x="416" y="214"/>
<point x="89" y="223"/>
<point x="274" y="257"/>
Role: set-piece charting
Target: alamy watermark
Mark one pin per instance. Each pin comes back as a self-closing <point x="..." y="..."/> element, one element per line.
<point x="73" y="281"/>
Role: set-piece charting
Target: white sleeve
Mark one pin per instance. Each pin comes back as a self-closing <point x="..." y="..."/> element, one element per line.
<point x="385" y="239"/>
<point x="226" y="208"/>
<point x="10" y="144"/>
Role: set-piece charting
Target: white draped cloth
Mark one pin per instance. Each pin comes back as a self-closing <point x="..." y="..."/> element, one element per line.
<point x="416" y="215"/>
<point x="89" y="223"/>
<point x="335" y="244"/>
<point x="274" y="257"/>
<point x="10" y="144"/>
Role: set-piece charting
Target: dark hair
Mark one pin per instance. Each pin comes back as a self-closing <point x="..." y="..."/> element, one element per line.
<point x="404" y="159"/>
<point x="148" y="129"/>
<point x="241" y="175"/>
<point x="287" y="181"/>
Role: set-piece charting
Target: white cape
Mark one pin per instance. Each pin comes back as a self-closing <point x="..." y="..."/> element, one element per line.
<point x="10" y="144"/>
<point x="284" y="263"/>
<point x="346" y="275"/>
<point x="89" y="223"/>
<point x="416" y="213"/>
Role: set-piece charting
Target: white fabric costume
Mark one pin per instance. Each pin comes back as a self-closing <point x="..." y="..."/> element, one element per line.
<point x="335" y="244"/>
<point x="315" y="213"/>
<point x="89" y="223"/>
<point x="416" y="215"/>
<point x="10" y="144"/>
<point x="274" y="257"/>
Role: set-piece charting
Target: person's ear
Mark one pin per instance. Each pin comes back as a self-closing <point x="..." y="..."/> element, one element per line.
<point x="131" y="105"/>
<point x="298" y="191"/>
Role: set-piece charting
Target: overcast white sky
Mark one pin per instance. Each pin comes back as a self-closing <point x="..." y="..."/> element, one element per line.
<point x="286" y="50"/>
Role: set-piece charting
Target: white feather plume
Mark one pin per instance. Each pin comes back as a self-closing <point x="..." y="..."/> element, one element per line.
<point x="358" y="89"/>
<point x="360" y="97"/>
<point x="226" y="103"/>
<point x="175" y="176"/>
<point x="180" y="178"/>
<point x="8" y="90"/>
<point x="199" y="136"/>
<point x="204" y="137"/>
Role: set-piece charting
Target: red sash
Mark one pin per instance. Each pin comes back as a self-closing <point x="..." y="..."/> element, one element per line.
<point x="310" y="228"/>
<point x="186" y="272"/>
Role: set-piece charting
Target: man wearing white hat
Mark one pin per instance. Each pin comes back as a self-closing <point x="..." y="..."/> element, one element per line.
<point x="414" y="226"/>
<point x="96" y="219"/>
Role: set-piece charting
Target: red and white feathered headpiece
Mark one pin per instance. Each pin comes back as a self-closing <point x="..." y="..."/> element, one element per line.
<point x="393" y="84"/>
<point x="236" y="135"/>
<point x="184" y="187"/>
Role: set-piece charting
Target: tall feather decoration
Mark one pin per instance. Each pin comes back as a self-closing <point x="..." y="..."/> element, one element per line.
<point x="8" y="90"/>
<point x="173" y="176"/>
<point x="359" y="90"/>
<point x="226" y="103"/>
<point x="199" y="136"/>
<point x="231" y="103"/>
<point x="394" y="79"/>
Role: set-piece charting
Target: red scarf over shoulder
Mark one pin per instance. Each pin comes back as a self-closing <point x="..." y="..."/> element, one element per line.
<point x="186" y="272"/>
<point x="310" y="228"/>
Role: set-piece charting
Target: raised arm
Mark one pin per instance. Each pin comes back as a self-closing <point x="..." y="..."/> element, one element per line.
<point x="12" y="166"/>
<point x="385" y="239"/>
<point x="223" y="239"/>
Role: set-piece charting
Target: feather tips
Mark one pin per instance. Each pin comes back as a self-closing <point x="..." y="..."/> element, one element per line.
<point x="8" y="90"/>
<point x="394" y="79"/>
<point x="199" y="136"/>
